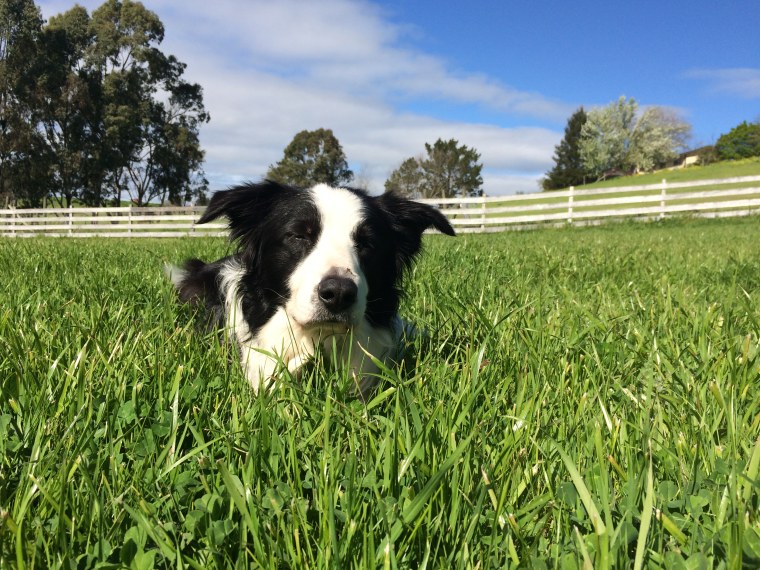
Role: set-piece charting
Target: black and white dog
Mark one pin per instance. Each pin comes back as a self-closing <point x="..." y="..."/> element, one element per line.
<point x="317" y="266"/>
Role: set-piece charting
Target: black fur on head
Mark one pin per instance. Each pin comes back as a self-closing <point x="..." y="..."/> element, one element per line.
<point x="251" y="209"/>
<point x="268" y="221"/>
<point x="276" y="227"/>
<point x="388" y="239"/>
<point x="409" y="221"/>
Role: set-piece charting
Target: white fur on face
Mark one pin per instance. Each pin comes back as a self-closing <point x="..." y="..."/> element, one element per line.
<point x="335" y="252"/>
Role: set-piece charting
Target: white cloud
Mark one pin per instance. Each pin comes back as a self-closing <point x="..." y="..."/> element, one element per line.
<point x="742" y="82"/>
<point x="344" y="44"/>
<point x="271" y="69"/>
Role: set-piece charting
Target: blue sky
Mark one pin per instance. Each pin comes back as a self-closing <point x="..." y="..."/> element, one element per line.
<point x="701" y="58"/>
<point x="502" y="77"/>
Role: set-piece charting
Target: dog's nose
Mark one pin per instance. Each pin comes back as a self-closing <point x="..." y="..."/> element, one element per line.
<point x="337" y="293"/>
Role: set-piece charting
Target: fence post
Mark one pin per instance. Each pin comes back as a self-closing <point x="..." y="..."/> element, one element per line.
<point x="571" y="190"/>
<point x="13" y="221"/>
<point x="129" y="220"/>
<point x="663" y="194"/>
<point x="71" y="218"/>
<point x="483" y="214"/>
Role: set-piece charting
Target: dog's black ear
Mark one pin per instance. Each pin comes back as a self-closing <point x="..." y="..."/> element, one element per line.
<point x="414" y="216"/>
<point x="244" y="206"/>
<point x="409" y="220"/>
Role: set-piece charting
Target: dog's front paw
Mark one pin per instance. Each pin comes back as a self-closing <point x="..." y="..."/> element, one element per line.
<point x="295" y="365"/>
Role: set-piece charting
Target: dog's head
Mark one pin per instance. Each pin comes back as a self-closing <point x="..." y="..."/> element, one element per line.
<point x="330" y="256"/>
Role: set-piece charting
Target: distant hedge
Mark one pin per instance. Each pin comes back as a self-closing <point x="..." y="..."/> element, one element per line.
<point x="743" y="141"/>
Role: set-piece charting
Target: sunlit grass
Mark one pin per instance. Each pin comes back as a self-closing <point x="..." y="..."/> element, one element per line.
<point x="723" y="169"/>
<point x="583" y="396"/>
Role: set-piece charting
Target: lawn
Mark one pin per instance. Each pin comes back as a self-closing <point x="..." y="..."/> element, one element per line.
<point x="723" y="169"/>
<point x="584" y="397"/>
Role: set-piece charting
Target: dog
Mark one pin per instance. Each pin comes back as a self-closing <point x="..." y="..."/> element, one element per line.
<point x="314" y="267"/>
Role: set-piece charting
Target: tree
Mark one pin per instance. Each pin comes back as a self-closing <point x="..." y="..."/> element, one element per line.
<point x="22" y="155"/>
<point x="658" y="137"/>
<point x="178" y="157"/>
<point x="312" y="157"/>
<point x="743" y="141"/>
<point x="407" y="178"/>
<point x="451" y="170"/>
<point x="63" y="100"/>
<point x="568" y="167"/>
<point x="448" y="170"/>
<point x="619" y="137"/>
<point x="150" y="116"/>
<point x="604" y="137"/>
<point x="90" y="107"/>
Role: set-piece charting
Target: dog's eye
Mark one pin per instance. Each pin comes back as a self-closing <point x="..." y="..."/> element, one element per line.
<point x="300" y="237"/>
<point x="363" y="245"/>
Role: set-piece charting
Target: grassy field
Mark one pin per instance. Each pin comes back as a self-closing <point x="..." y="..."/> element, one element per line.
<point x="585" y="398"/>
<point x="723" y="169"/>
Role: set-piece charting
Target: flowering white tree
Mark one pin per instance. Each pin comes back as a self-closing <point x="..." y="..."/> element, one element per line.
<point x="620" y="137"/>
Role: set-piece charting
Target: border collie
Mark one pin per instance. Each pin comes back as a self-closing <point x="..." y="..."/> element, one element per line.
<point x="314" y="267"/>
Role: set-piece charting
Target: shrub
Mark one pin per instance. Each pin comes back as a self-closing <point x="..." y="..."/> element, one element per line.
<point x="743" y="141"/>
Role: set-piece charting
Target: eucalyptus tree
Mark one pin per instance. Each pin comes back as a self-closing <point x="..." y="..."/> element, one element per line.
<point x="91" y="108"/>
<point x="312" y="157"/>
<point x="23" y="156"/>
<point x="151" y="116"/>
<point x="64" y="99"/>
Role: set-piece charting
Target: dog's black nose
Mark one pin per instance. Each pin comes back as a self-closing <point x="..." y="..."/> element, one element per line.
<point x="337" y="293"/>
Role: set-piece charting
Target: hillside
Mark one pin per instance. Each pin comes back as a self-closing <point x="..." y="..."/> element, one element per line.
<point x="725" y="169"/>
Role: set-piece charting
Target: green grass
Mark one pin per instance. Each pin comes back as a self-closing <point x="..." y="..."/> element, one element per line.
<point x="586" y="398"/>
<point x="723" y="169"/>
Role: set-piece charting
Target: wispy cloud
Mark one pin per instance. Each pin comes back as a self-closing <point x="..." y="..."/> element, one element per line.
<point x="741" y="82"/>
<point x="271" y="69"/>
<point x="347" y="45"/>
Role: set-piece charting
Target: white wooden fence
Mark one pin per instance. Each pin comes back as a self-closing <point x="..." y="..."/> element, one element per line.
<point x="704" y="198"/>
<point x="715" y="198"/>
<point x="152" y="222"/>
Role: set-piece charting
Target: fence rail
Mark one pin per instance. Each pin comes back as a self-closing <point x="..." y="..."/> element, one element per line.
<point x="704" y="198"/>
<point x="724" y="197"/>
<point x="107" y="222"/>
